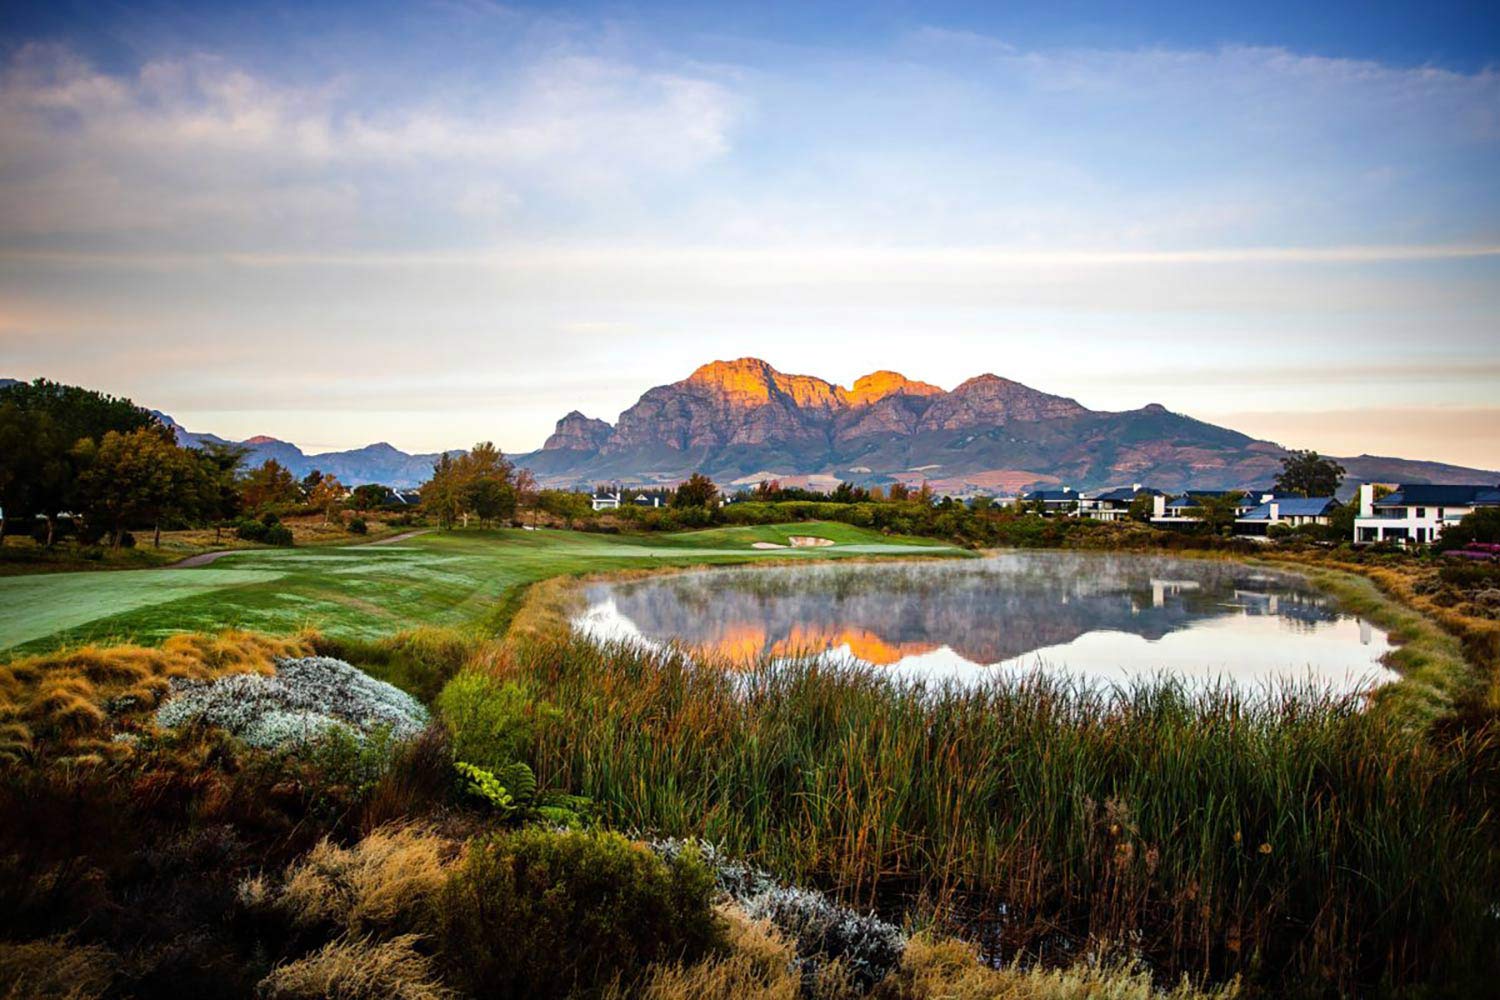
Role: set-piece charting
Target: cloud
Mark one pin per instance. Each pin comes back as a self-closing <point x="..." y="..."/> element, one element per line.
<point x="199" y="150"/>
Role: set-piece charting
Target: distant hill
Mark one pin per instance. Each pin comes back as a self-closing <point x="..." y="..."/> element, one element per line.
<point x="374" y="463"/>
<point x="741" y="421"/>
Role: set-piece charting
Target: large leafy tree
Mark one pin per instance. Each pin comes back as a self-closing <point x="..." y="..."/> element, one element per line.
<point x="565" y="505"/>
<point x="42" y="424"/>
<point x="1309" y="474"/>
<point x="697" y="491"/>
<point x="480" y="483"/>
<point x="325" y="493"/>
<point x="137" y="478"/>
<point x="1217" y="512"/>
<point x="368" y="495"/>
<point x="269" y="485"/>
<point x="219" y="498"/>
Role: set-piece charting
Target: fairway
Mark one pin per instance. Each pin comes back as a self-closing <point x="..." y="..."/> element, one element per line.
<point x="439" y="578"/>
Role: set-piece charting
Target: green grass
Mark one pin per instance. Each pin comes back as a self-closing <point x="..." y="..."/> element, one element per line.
<point x="1294" y="838"/>
<point x="459" y="578"/>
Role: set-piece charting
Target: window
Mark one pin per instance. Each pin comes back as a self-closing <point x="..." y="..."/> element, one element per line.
<point x="1421" y="511"/>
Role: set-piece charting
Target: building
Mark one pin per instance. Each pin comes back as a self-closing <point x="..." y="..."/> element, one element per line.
<point x="1062" y="501"/>
<point x="1180" y="510"/>
<point x="1293" y="512"/>
<point x="1114" y="505"/>
<point x="606" y="501"/>
<point x="1417" y="513"/>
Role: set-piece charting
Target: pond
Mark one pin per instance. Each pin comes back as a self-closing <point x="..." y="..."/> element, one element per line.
<point x="1104" y="619"/>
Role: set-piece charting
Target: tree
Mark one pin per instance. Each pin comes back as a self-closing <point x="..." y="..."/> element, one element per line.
<point x="137" y="478"/>
<point x="326" y="493"/>
<point x="1217" y="512"/>
<point x="565" y="505"/>
<point x="310" y="482"/>
<point x="1481" y="525"/>
<point x="1141" y="507"/>
<point x="440" y="494"/>
<point x="900" y="492"/>
<point x="489" y="498"/>
<point x="1309" y="474"/>
<point x="41" y="425"/>
<point x="219" y="497"/>
<point x="269" y="485"/>
<point x="697" y="491"/>
<point x="370" y="495"/>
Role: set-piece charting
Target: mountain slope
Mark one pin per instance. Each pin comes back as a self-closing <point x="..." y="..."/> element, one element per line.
<point x="742" y="420"/>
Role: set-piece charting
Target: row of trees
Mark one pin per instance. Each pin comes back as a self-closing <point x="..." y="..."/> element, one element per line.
<point x="112" y="466"/>
<point x="67" y="450"/>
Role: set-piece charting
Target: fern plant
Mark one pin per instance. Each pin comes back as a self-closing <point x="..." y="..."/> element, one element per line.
<point x="512" y="793"/>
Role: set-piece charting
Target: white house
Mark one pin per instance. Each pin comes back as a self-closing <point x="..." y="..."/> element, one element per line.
<point x="1417" y="513"/>
<point x="606" y="501"/>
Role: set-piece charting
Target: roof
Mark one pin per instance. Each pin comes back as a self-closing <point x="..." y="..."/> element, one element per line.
<point x="1191" y="497"/>
<point x="1127" y="493"/>
<point x="1441" y="495"/>
<point x="1293" y="507"/>
<point x="1051" y="496"/>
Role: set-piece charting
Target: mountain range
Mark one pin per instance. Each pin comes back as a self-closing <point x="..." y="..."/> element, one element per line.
<point x="743" y="421"/>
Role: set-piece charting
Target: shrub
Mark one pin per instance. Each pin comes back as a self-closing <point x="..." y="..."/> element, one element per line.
<point x="73" y="699"/>
<point x="419" y="661"/>
<point x="492" y="722"/>
<point x="250" y="530"/>
<point x="825" y="935"/>
<point x="542" y="914"/>
<point x="357" y="526"/>
<point x="386" y="882"/>
<point x="279" y="534"/>
<point x="358" y="970"/>
<point x="296" y="706"/>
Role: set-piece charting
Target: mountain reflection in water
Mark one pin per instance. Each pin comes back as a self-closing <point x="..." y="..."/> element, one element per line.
<point x="1101" y="617"/>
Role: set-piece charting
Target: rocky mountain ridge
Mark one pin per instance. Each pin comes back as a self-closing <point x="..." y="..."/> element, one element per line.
<point x="743" y="420"/>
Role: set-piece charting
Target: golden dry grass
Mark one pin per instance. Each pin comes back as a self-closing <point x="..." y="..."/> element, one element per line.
<point x="759" y="966"/>
<point x="384" y="881"/>
<point x="54" y="969"/>
<point x="69" y="701"/>
<point x="358" y="970"/>
<point x="932" y="969"/>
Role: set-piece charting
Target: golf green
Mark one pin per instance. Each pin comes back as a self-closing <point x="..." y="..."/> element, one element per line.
<point x="438" y="578"/>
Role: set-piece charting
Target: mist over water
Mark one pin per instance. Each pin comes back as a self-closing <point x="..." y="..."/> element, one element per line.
<point x="1101" y="619"/>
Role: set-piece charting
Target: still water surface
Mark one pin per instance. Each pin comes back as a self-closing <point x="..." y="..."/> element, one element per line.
<point x="1102" y="618"/>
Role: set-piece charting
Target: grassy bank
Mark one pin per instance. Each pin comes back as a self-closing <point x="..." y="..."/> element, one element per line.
<point x="455" y="579"/>
<point x="23" y="556"/>
<point x="1300" y="841"/>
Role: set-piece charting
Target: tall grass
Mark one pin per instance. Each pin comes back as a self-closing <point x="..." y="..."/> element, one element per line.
<point x="1290" y="836"/>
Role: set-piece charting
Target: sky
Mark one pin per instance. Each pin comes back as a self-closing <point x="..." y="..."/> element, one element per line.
<point x="440" y="222"/>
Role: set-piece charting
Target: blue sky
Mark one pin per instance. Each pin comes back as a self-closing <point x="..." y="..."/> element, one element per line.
<point x="432" y="223"/>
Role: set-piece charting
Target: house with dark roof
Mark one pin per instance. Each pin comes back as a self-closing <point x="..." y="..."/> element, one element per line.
<point x="1169" y="511"/>
<point x="605" y="501"/>
<point x="1290" y="511"/>
<point x="1114" y="505"/>
<point x="1417" y="513"/>
<point x="1052" y="503"/>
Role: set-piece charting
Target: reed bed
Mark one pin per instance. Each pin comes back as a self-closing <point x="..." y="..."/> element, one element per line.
<point x="1289" y="836"/>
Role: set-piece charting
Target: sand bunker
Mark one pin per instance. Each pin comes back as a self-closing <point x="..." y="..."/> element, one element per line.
<point x="798" y="542"/>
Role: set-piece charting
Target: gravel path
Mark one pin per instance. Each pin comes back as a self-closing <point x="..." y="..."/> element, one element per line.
<point x="205" y="558"/>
